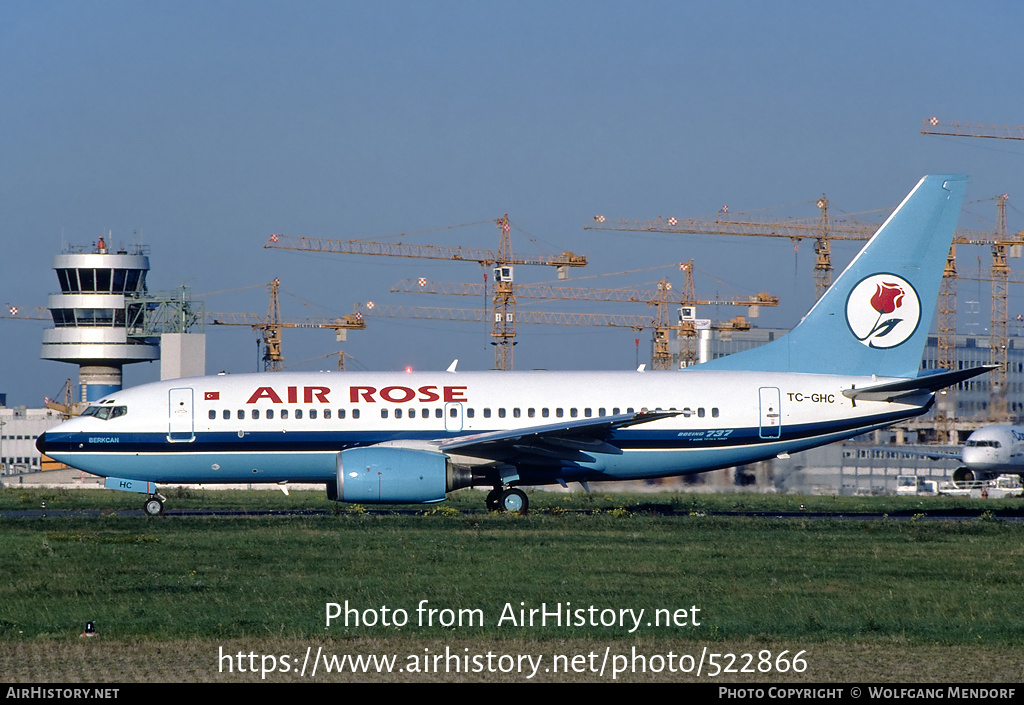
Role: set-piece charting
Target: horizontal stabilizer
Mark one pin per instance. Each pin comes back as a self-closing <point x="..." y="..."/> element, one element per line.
<point x="894" y="391"/>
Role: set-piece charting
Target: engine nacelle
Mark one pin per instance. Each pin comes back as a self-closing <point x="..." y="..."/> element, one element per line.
<point x="390" y="475"/>
<point x="965" y="476"/>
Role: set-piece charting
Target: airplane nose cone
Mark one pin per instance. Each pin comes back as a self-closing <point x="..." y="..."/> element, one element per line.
<point x="41" y="443"/>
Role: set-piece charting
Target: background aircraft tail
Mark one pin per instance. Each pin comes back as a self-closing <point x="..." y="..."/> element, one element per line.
<point x="875" y="317"/>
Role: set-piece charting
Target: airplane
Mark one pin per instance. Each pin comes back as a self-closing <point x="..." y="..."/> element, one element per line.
<point x="851" y="365"/>
<point x="989" y="452"/>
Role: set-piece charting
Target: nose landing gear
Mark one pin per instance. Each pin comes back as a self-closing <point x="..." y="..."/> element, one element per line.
<point x="154" y="506"/>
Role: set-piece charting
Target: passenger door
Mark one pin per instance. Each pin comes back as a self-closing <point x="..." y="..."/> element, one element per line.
<point x="180" y="416"/>
<point x="771" y="412"/>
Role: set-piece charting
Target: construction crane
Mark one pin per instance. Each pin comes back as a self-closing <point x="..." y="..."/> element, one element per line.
<point x="271" y="325"/>
<point x="503" y="328"/>
<point x="1000" y="272"/>
<point x="477" y="315"/>
<point x="934" y="126"/>
<point x="16" y="313"/>
<point x="660" y="298"/>
<point x="824" y="230"/>
<point x="67" y="409"/>
<point x="999" y="276"/>
<point x="341" y="355"/>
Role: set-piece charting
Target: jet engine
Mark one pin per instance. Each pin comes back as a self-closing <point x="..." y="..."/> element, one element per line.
<point x="962" y="476"/>
<point x="387" y="474"/>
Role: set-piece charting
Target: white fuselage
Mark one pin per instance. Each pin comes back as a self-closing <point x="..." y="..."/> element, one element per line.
<point x="290" y="427"/>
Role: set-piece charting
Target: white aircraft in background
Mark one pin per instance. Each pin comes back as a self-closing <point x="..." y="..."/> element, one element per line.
<point x="989" y="452"/>
<point x="850" y="366"/>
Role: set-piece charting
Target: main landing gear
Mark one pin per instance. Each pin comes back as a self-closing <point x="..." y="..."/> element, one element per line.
<point x="508" y="499"/>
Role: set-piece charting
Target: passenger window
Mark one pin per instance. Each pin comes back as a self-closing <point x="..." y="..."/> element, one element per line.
<point x="327" y="413"/>
<point x="255" y="413"/>
<point x="312" y="413"/>
<point x="545" y="412"/>
<point x="700" y="412"/>
<point x="559" y="413"/>
<point x="501" y="413"/>
<point x="213" y="414"/>
<point x="453" y="412"/>
<point x="241" y="413"/>
<point x="398" y="413"/>
<point x="284" y="414"/>
<point x="298" y="413"/>
<point x="487" y="413"/>
<point x="355" y="414"/>
<point x="270" y="414"/>
<point x="438" y="413"/>
<point x="586" y="412"/>
<point x="341" y="414"/>
<point x="227" y="414"/>
<point x="600" y="412"/>
<point x="470" y="412"/>
<point x="383" y="413"/>
<point x="714" y="412"/>
<point x="531" y="412"/>
<point x="615" y="411"/>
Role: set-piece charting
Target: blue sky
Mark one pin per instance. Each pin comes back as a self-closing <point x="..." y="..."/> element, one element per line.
<point x="202" y="127"/>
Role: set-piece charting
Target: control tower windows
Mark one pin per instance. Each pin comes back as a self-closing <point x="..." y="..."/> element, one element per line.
<point x="85" y="280"/>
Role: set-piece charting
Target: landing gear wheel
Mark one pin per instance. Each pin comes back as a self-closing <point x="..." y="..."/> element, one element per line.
<point x="153" y="507"/>
<point x="514" y="500"/>
<point x="493" y="501"/>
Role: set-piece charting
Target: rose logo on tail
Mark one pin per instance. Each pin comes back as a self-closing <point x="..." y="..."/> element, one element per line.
<point x="883" y="311"/>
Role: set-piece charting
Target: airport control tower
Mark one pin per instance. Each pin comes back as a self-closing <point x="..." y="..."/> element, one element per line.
<point x="89" y="315"/>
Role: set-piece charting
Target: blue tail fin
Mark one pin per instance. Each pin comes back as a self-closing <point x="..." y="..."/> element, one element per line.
<point x="875" y="317"/>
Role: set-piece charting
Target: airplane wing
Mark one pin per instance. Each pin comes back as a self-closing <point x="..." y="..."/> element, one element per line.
<point x="570" y="441"/>
<point x="894" y="391"/>
<point x="931" y="455"/>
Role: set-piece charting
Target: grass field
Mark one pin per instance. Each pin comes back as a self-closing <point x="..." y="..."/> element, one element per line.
<point x="909" y="599"/>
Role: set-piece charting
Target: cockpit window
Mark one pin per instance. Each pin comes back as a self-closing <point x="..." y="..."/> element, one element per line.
<point x="984" y="444"/>
<point x="105" y="412"/>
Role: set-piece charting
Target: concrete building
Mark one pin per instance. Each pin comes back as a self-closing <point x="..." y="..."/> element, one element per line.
<point x="19" y="429"/>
